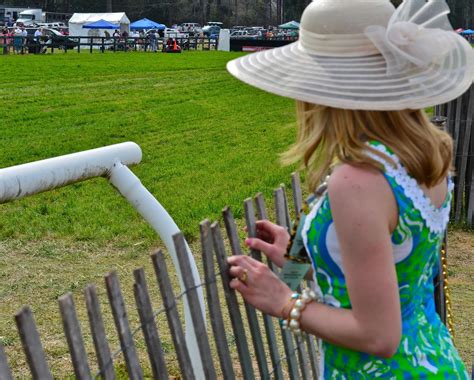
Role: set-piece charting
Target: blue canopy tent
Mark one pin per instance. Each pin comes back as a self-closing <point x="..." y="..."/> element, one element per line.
<point x="101" y="24"/>
<point x="468" y="31"/>
<point x="146" y="24"/>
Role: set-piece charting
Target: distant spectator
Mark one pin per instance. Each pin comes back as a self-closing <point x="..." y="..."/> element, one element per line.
<point x="141" y="41"/>
<point x="10" y="35"/>
<point x="38" y="34"/>
<point x="116" y="33"/>
<point x="153" y="41"/>
<point x="17" y="40"/>
<point x="24" y="35"/>
<point x="3" y="40"/>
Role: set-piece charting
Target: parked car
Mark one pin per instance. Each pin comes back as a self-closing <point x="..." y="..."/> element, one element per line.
<point x="192" y="28"/>
<point x="211" y="31"/>
<point x="51" y="39"/>
<point x="173" y="33"/>
<point x="244" y="34"/>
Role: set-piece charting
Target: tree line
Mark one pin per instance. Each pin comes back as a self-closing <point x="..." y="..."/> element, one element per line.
<point x="231" y="12"/>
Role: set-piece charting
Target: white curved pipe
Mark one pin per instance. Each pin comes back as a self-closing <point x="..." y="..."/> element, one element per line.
<point x="154" y="213"/>
<point x="36" y="177"/>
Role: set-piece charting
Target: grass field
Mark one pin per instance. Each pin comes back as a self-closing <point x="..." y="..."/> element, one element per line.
<point x="207" y="140"/>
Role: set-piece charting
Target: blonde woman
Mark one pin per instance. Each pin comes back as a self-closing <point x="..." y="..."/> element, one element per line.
<point x="362" y="73"/>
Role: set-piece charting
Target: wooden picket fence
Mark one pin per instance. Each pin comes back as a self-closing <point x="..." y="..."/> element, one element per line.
<point x="458" y="117"/>
<point x="271" y="353"/>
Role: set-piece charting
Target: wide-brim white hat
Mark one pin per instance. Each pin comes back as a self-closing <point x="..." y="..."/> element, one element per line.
<point x="364" y="54"/>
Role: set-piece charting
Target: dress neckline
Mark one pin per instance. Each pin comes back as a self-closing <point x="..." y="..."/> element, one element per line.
<point x="436" y="218"/>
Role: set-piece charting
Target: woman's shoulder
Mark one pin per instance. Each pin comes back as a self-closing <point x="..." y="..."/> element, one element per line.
<point x="356" y="177"/>
<point x="362" y="190"/>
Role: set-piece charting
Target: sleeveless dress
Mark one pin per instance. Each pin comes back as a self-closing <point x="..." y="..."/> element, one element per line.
<point x="426" y="350"/>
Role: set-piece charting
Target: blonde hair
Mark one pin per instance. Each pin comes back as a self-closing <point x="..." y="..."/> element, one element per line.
<point x="327" y="136"/>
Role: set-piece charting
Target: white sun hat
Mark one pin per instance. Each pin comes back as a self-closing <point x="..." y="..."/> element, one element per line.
<point x="364" y="54"/>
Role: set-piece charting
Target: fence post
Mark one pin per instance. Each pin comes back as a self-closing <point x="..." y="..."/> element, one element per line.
<point x="281" y="215"/>
<point x="194" y="305"/>
<point x="232" y="305"/>
<point x="215" y="311"/>
<point x="74" y="339"/>
<point x="169" y="302"/>
<point x="123" y="328"/>
<point x="147" y="320"/>
<point x="5" y="373"/>
<point x="104" y="358"/>
<point x="31" y="342"/>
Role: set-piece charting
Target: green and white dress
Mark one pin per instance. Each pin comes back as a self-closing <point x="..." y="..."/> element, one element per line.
<point x="426" y="350"/>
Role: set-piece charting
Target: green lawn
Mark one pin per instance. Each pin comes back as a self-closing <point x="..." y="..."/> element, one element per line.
<point x="207" y="140"/>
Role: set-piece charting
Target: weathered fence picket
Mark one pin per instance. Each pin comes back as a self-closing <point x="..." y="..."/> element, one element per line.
<point x="147" y="320"/>
<point x="122" y="325"/>
<point x="96" y="323"/>
<point x="32" y="346"/>
<point x="174" y="323"/>
<point x="5" y="372"/>
<point x="459" y="122"/>
<point x="196" y="312"/>
<point x="213" y="301"/>
<point x="281" y="212"/>
<point x="268" y="321"/>
<point x="72" y="330"/>
<point x="252" y="318"/>
<point x="232" y="305"/>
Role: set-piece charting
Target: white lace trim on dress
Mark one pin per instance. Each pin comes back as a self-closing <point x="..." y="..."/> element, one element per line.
<point x="436" y="219"/>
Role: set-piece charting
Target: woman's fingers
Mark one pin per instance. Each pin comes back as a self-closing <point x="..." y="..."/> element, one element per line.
<point x="240" y="273"/>
<point x="268" y="227"/>
<point x="259" y="245"/>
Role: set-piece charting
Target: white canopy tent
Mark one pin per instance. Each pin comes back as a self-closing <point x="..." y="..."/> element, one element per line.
<point x="78" y="20"/>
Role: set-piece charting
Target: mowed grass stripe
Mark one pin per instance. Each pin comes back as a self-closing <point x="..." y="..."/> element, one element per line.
<point x="208" y="140"/>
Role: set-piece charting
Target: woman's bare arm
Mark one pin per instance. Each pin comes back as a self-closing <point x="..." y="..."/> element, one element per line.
<point x="364" y="212"/>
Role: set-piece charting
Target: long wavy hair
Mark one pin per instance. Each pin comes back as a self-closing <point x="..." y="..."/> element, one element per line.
<point x="327" y="136"/>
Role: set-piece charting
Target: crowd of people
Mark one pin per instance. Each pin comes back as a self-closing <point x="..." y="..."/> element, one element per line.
<point x="13" y="40"/>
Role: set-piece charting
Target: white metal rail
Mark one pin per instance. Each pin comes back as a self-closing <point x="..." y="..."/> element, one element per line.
<point x="111" y="162"/>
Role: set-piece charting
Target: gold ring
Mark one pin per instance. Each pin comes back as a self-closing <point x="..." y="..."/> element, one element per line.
<point x="244" y="276"/>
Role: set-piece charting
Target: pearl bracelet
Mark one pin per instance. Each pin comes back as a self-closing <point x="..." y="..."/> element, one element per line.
<point x="302" y="300"/>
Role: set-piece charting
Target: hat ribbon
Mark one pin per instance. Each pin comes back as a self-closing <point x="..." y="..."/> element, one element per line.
<point x="418" y="33"/>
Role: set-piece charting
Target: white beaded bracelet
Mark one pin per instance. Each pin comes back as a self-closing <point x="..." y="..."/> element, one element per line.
<point x="302" y="300"/>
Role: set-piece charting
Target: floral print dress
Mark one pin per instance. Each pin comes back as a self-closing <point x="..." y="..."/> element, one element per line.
<point x="426" y="350"/>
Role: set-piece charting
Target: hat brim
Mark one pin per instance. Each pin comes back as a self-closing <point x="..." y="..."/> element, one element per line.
<point x="354" y="82"/>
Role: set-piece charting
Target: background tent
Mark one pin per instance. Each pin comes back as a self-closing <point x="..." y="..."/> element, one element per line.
<point x="101" y="24"/>
<point x="145" y="23"/>
<point x="78" y="20"/>
<point x="290" y="25"/>
<point x="468" y="31"/>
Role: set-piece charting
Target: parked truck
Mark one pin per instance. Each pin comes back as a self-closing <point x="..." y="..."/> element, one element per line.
<point x="8" y="15"/>
<point x="30" y="17"/>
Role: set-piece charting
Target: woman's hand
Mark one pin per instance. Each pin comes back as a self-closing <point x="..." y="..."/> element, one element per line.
<point x="259" y="286"/>
<point x="272" y="240"/>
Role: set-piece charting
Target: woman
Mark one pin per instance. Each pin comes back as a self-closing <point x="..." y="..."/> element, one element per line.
<point x="362" y="73"/>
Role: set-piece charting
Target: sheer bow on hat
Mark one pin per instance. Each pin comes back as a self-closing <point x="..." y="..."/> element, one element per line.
<point x="418" y="33"/>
